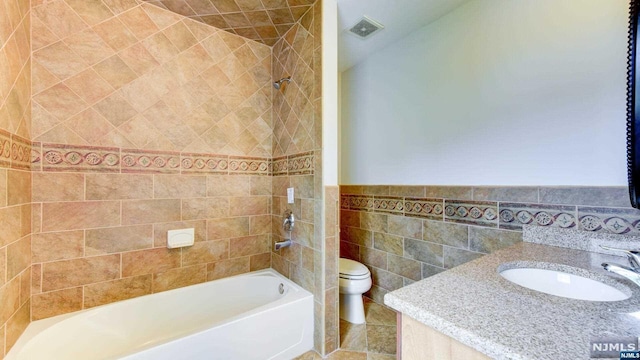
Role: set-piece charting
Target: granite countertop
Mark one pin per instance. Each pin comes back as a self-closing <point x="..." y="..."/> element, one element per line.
<point x="473" y="304"/>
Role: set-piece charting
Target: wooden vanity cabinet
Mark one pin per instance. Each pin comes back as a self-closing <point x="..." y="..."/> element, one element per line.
<point x="417" y="341"/>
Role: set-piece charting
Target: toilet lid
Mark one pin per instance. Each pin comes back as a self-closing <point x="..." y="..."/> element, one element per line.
<point x="352" y="268"/>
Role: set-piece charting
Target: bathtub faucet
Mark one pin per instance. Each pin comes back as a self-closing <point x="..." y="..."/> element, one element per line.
<point x="287" y="225"/>
<point x="282" y="244"/>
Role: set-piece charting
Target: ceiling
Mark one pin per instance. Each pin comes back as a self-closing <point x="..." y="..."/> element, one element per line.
<point x="400" y="18"/>
<point x="261" y="20"/>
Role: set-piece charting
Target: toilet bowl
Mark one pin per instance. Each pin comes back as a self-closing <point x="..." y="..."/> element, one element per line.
<point x="355" y="280"/>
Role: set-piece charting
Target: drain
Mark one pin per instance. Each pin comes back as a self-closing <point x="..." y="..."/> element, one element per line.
<point x="281" y="288"/>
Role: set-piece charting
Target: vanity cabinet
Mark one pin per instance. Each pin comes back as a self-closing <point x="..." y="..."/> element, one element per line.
<point x="420" y="342"/>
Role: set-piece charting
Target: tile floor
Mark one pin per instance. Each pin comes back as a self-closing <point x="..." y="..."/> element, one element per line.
<point x="374" y="340"/>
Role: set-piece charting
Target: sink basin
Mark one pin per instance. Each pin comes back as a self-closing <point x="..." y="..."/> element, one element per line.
<point x="563" y="284"/>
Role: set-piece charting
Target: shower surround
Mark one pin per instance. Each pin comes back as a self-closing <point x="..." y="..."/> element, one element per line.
<point x="145" y="121"/>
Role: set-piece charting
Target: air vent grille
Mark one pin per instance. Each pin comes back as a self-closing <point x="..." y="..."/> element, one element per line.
<point x="366" y="27"/>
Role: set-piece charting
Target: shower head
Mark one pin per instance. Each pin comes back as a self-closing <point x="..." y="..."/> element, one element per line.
<point x="278" y="84"/>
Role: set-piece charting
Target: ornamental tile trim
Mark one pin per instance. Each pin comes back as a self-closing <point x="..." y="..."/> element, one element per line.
<point x="389" y="204"/>
<point x="301" y="164"/>
<point x="514" y="215"/>
<point x="81" y="158"/>
<point x="20" y="153"/>
<point x="280" y="166"/>
<point x="428" y="208"/>
<point x="5" y="149"/>
<point x="192" y="163"/>
<point x="148" y="161"/>
<point x="360" y="202"/>
<point x="481" y="213"/>
<point x="36" y="156"/>
<point x="57" y="157"/>
<point x="609" y="220"/>
<point x="240" y="165"/>
<point x="344" y="202"/>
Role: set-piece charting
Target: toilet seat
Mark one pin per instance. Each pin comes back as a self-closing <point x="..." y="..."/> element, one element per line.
<point x="354" y="277"/>
<point x="353" y="270"/>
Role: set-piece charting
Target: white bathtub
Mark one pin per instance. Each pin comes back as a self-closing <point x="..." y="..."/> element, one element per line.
<point x="242" y="317"/>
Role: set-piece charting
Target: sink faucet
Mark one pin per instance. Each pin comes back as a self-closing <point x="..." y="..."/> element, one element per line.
<point x="631" y="272"/>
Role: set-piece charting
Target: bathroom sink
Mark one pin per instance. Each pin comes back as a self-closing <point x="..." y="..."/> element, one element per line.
<point x="563" y="284"/>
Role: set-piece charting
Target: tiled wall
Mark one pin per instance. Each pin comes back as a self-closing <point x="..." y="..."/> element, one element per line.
<point x="331" y="254"/>
<point x="261" y="20"/>
<point x="407" y="233"/>
<point x="15" y="194"/>
<point x="297" y="129"/>
<point x="144" y="121"/>
<point x="298" y="54"/>
<point x="100" y="232"/>
<point x="116" y="73"/>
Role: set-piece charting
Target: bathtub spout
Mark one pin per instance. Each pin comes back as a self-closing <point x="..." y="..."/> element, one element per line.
<point x="282" y="244"/>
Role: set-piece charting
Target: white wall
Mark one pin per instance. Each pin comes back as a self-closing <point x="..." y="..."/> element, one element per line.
<point x="497" y="92"/>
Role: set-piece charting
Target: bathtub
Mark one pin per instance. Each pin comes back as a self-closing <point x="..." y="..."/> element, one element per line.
<point x="242" y="317"/>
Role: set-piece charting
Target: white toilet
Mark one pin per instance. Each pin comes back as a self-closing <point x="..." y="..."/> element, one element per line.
<point x="355" y="280"/>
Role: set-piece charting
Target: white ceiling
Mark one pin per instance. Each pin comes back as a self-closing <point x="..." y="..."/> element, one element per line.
<point x="400" y="18"/>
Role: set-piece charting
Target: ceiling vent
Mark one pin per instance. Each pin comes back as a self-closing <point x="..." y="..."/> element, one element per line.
<point x="365" y="28"/>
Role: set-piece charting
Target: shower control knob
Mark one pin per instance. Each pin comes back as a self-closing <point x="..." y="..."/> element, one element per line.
<point x="288" y="222"/>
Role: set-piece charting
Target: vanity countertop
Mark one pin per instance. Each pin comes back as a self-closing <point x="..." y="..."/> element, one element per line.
<point x="473" y="304"/>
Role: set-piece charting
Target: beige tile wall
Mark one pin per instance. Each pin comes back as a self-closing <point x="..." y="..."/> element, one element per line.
<point x="261" y="20"/>
<point x="297" y="106"/>
<point x="100" y="238"/>
<point x="15" y="178"/>
<point x="331" y="251"/>
<point x="133" y="106"/>
<point x="123" y="74"/>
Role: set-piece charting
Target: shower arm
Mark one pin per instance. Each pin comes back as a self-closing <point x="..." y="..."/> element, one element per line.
<point x="278" y="84"/>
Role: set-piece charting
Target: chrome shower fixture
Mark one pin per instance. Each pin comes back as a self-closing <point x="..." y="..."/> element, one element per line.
<point x="278" y="84"/>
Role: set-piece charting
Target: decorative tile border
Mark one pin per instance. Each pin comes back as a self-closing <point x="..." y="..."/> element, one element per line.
<point x="56" y="157"/>
<point x="5" y="149"/>
<point x="344" y="202"/>
<point x="514" y="215"/>
<point x="280" y="166"/>
<point x="612" y="220"/>
<point x="36" y="156"/>
<point x="391" y="205"/>
<point x="80" y="158"/>
<point x="145" y="161"/>
<point x="360" y="202"/>
<point x="20" y="153"/>
<point x="483" y="213"/>
<point x="248" y="166"/>
<point x="504" y="215"/>
<point x="301" y="164"/>
<point x="191" y="163"/>
<point x="425" y="208"/>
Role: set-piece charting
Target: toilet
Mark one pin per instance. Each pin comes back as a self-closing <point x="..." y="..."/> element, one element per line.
<point x="355" y="280"/>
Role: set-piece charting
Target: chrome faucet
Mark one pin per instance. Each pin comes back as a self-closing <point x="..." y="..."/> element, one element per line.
<point x="631" y="272"/>
<point x="287" y="225"/>
<point x="281" y="244"/>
